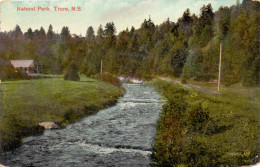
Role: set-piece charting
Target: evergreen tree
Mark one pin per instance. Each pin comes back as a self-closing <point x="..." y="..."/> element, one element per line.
<point x="185" y="21"/>
<point x="90" y="34"/>
<point x="29" y="34"/>
<point x="65" y="33"/>
<point x="110" y="29"/>
<point x="50" y="33"/>
<point x="100" y="32"/>
<point x="17" y="32"/>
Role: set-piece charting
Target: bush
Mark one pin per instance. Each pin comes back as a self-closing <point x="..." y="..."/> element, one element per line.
<point x="13" y="129"/>
<point x="184" y="81"/>
<point x="71" y="115"/>
<point x="71" y="73"/>
<point x="9" y="73"/>
<point x="196" y="129"/>
<point x="198" y="118"/>
<point x="109" y="78"/>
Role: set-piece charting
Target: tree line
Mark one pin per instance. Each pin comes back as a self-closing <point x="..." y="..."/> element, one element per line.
<point x="188" y="48"/>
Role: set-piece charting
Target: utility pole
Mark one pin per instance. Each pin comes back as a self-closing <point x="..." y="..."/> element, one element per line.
<point x="219" y="67"/>
<point x="0" y="17"/>
<point x="101" y="64"/>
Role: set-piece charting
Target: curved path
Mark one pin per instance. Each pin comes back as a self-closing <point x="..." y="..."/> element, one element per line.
<point x="190" y="86"/>
<point x="122" y="135"/>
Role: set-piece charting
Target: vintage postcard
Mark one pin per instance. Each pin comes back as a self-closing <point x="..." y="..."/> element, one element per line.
<point x="129" y="83"/>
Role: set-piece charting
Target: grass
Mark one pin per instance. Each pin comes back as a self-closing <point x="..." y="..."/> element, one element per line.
<point x="25" y="103"/>
<point x="200" y="129"/>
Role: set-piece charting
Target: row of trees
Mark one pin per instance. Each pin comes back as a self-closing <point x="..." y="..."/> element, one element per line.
<point x="188" y="48"/>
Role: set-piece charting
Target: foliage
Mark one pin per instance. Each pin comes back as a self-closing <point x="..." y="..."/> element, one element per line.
<point x="198" y="129"/>
<point x="7" y="72"/>
<point x="188" y="48"/>
<point x="13" y="129"/>
<point x="90" y="34"/>
<point x="72" y="73"/>
<point x="109" y="78"/>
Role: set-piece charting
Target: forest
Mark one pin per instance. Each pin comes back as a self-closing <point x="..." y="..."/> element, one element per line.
<point x="188" y="48"/>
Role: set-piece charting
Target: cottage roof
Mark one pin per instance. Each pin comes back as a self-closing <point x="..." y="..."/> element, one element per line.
<point x="74" y="36"/>
<point x="22" y="63"/>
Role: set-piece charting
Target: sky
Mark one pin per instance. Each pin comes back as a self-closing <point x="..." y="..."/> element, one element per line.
<point x="124" y="13"/>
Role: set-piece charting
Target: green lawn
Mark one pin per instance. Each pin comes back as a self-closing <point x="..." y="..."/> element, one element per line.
<point x="25" y="103"/>
<point x="200" y="129"/>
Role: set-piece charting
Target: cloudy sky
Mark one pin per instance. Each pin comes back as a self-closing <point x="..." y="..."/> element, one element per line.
<point x="124" y="13"/>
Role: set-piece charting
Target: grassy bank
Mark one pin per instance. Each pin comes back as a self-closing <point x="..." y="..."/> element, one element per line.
<point x="199" y="129"/>
<point x="26" y="103"/>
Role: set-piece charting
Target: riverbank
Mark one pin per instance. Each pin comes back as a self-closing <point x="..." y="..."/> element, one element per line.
<point x="121" y="135"/>
<point x="202" y="129"/>
<point x="26" y="103"/>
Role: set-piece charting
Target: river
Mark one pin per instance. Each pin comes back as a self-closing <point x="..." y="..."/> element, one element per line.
<point x="119" y="136"/>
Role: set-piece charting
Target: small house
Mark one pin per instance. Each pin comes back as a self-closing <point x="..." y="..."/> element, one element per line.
<point x="74" y="36"/>
<point x="25" y="66"/>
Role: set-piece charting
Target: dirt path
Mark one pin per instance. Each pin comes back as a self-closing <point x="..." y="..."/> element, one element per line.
<point x="190" y="86"/>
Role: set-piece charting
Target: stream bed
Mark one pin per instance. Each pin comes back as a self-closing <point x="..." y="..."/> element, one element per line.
<point x="119" y="136"/>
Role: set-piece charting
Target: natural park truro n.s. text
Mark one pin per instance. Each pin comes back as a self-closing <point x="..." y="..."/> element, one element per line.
<point x="48" y="9"/>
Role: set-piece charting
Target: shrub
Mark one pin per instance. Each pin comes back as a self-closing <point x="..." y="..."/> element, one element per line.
<point x="13" y="129"/>
<point x="184" y="81"/>
<point x="109" y="78"/>
<point x="71" y="115"/>
<point x="71" y="73"/>
<point x="198" y="118"/>
<point x="197" y="129"/>
<point x="9" y="73"/>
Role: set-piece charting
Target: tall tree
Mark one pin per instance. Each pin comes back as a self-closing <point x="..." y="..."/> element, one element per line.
<point x="185" y="22"/>
<point x="29" y="34"/>
<point x="17" y="32"/>
<point x="65" y="33"/>
<point x="42" y="33"/>
<point x="206" y="15"/>
<point x="90" y="33"/>
<point x="50" y="33"/>
<point x="100" y="32"/>
<point x="110" y="29"/>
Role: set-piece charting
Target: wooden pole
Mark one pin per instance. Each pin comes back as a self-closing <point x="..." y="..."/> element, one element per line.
<point x="219" y="68"/>
<point x="101" y="67"/>
<point x="37" y="68"/>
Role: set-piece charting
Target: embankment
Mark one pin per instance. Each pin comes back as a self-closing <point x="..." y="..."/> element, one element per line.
<point x="26" y="103"/>
<point x="201" y="129"/>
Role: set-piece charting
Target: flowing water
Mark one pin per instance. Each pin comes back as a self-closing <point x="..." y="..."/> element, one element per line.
<point x="122" y="135"/>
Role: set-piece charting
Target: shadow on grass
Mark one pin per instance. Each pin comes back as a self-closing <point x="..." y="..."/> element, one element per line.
<point x="223" y="128"/>
<point x="87" y="81"/>
<point x="9" y="83"/>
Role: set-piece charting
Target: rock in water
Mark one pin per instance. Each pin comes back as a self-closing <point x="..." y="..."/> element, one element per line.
<point x="49" y="125"/>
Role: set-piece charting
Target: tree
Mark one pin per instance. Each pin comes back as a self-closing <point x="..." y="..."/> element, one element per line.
<point x="65" y="33"/>
<point x="42" y="33"/>
<point x="29" y="34"/>
<point x="71" y="73"/>
<point x="90" y="34"/>
<point x="50" y="33"/>
<point x="17" y="32"/>
<point x="206" y="15"/>
<point x="185" y="21"/>
<point x="110" y="29"/>
<point x="100" y="32"/>
<point x="222" y="22"/>
<point x="132" y="31"/>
